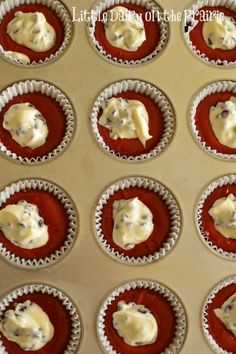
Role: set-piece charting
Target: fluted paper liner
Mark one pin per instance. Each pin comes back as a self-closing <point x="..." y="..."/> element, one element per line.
<point x="215" y="87"/>
<point x="61" y="11"/>
<point x="150" y="5"/>
<point x="76" y="322"/>
<point x="68" y="205"/>
<point x="191" y="23"/>
<point x="220" y="182"/>
<point x="171" y="203"/>
<point x="29" y="86"/>
<point x="181" y="320"/>
<point x="156" y="95"/>
<point x="213" y="344"/>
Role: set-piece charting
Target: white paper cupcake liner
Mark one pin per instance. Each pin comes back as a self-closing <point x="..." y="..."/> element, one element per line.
<point x="151" y="6"/>
<point x="215" y="87"/>
<point x="211" y="341"/>
<point x="220" y="182"/>
<point x="29" y="86"/>
<point x="171" y="203"/>
<point x="189" y="23"/>
<point x="59" y="8"/>
<point x="76" y="322"/>
<point x="149" y="90"/>
<point x="181" y="320"/>
<point x="65" y="200"/>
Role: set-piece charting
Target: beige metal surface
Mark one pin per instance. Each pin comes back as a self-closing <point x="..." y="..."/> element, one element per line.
<point x="87" y="274"/>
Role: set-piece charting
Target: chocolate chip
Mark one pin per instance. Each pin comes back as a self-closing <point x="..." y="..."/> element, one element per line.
<point x="40" y="223"/>
<point x="17" y="333"/>
<point x="225" y="113"/>
<point x="209" y="41"/>
<point x="21" y="224"/>
<point x="129" y="246"/>
<point x="139" y="343"/>
<point x="228" y="308"/>
<point x="117" y="226"/>
<point x="142" y="310"/>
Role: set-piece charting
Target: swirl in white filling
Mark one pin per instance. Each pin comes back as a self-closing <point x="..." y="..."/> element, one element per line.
<point x="135" y="324"/>
<point x="32" y="30"/>
<point x="132" y="223"/>
<point x="18" y="57"/>
<point x="23" y="226"/>
<point x="126" y="119"/>
<point x="220" y="32"/>
<point x="124" y="29"/>
<point x="28" y="326"/>
<point x="26" y="124"/>
<point x="227" y="313"/>
<point x="223" y="212"/>
<point x="223" y="122"/>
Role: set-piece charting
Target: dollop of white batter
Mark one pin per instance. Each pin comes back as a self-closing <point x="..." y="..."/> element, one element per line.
<point x="26" y="124"/>
<point x="28" y="326"/>
<point x="132" y="223"/>
<point x="220" y="32"/>
<point x="135" y="324"/>
<point x="32" y="30"/>
<point x="124" y="29"/>
<point x="126" y="119"/>
<point x="227" y="313"/>
<point x="223" y="212"/>
<point x="16" y="56"/>
<point x="23" y="226"/>
<point x="223" y="122"/>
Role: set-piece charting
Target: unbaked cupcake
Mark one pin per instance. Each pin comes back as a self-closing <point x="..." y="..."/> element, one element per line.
<point x="215" y="215"/>
<point x="147" y="304"/>
<point x="34" y="33"/>
<point x="36" y="122"/>
<point x="38" y="223"/>
<point x="128" y="32"/>
<point x="210" y="31"/>
<point x="213" y="119"/>
<point x="133" y="120"/>
<point x="137" y="220"/>
<point x="217" y="317"/>
<point x="39" y="316"/>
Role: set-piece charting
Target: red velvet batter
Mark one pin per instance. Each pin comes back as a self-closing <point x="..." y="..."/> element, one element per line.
<point x="55" y="119"/>
<point x="54" y="215"/>
<point x="134" y="147"/>
<point x="59" y="317"/>
<point x="220" y="333"/>
<point x="212" y="234"/>
<point x="203" y="124"/>
<point x="52" y="19"/>
<point x="161" y="221"/>
<point x="160" y="308"/>
<point x="197" y="38"/>
<point x="152" y="31"/>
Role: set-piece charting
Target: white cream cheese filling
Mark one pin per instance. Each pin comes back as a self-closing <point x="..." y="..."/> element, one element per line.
<point x="28" y="326"/>
<point x="19" y="57"/>
<point x="132" y="223"/>
<point x="223" y="122"/>
<point x="32" y="30"/>
<point x="26" y="125"/>
<point x="220" y="32"/>
<point x="124" y="29"/>
<point x="126" y="119"/>
<point x="223" y="212"/>
<point x="23" y="226"/>
<point x="227" y="313"/>
<point x="135" y="324"/>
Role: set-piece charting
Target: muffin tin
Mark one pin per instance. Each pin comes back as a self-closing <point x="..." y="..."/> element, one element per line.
<point x="87" y="273"/>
